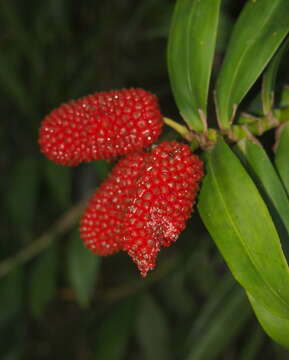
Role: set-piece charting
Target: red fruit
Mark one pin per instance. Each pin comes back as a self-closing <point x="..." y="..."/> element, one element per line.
<point x="101" y="225"/>
<point x="101" y="126"/>
<point x="144" y="204"/>
<point x="161" y="203"/>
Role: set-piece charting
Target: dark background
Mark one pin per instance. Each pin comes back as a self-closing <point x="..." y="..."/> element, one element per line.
<point x="57" y="301"/>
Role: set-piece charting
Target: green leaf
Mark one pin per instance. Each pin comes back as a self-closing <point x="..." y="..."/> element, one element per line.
<point x="260" y="29"/>
<point x="240" y="224"/>
<point x="113" y="335"/>
<point x="102" y="167"/>
<point x="15" y="88"/>
<point x="219" y="294"/>
<point x="43" y="281"/>
<point x="175" y="294"/>
<point x="23" y="40"/>
<point x="83" y="267"/>
<point x="266" y="179"/>
<point x="11" y="295"/>
<point x="153" y="330"/>
<point x="22" y="195"/>
<point x="284" y="98"/>
<point x="190" y="55"/>
<point x="255" y="340"/>
<point x="59" y="181"/>
<point x="211" y="342"/>
<point x="281" y="158"/>
<point x="275" y="326"/>
<point x="269" y="78"/>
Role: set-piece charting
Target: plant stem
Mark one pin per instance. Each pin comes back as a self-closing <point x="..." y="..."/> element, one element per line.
<point x="248" y="126"/>
<point x="64" y="224"/>
<point x="181" y="129"/>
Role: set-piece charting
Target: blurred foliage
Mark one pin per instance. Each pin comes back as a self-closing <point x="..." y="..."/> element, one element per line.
<point x="64" y="303"/>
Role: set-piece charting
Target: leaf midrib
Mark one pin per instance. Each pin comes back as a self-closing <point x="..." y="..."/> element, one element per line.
<point x="234" y="226"/>
<point x="253" y="41"/>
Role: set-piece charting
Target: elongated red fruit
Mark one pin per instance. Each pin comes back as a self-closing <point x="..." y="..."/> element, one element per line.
<point x="101" y="126"/>
<point x="161" y="203"/>
<point x="144" y="204"/>
<point x="101" y="225"/>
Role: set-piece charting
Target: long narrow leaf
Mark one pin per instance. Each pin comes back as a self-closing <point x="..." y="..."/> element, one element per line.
<point x="191" y="49"/>
<point x="211" y="342"/>
<point x="113" y="335"/>
<point x="83" y="267"/>
<point x="270" y="186"/>
<point x="43" y="281"/>
<point x="259" y="31"/>
<point x="239" y="222"/>
<point x="269" y="78"/>
<point x="153" y="330"/>
<point x="275" y="326"/>
<point x="281" y="158"/>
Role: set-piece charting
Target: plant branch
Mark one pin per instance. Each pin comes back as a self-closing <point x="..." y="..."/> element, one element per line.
<point x="248" y="126"/>
<point x="60" y="227"/>
<point x="181" y="129"/>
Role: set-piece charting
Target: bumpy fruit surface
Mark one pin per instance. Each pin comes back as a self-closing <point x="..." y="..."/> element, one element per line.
<point x="144" y="204"/>
<point x="161" y="203"/>
<point x="101" y="225"/>
<point x="101" y="126"/>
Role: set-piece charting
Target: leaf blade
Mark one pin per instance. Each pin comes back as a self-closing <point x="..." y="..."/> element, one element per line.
<point x="228" y="204"/>
<point x="43" y="281"/>
<point x="269" y="184"/>
<point x="190" y="55"/>
<point x="82" y="267"/>
<point x="153" y="330"/>
<point x="281" y="158"/>
<point x="253" y="34"/>
<point x="212" y="341"/>
<point x="110" y="342"/>
<point x="269" y="78"/>
<point x="275" y="326"/>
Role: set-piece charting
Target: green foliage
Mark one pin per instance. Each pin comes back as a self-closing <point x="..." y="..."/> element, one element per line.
<point x="59" y="182"/>
<point x="263" y="173"/>
<point x="228" y="204"/>
<point x="245" y="209"/>
<point x="82" y="268"/>
<point x="43" y="281"/>
<point x="227" y="300"/>
<point x="281" y="158"/>
<point x="191" y="49"/>
<point x="254" y="40"/>
<point x="22" y="195"/>
<point x="115" y="331"/>
<point x="269" y="78"/>
<point x="276" y="326"/>
<point x="152" y="328"/>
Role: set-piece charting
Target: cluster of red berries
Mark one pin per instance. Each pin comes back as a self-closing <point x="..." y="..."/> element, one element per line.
<point x="144" y="203"/>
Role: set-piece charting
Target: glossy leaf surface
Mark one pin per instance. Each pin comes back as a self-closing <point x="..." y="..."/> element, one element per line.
<point x="191" y="49"/>
<point x="269" y="78"/>
<point x="277" y="327"/>
<point x="254" y="40"/>
<point x="240" y="224"/>
<point x="266" y="179"/>
<point x="281" y="158"/>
